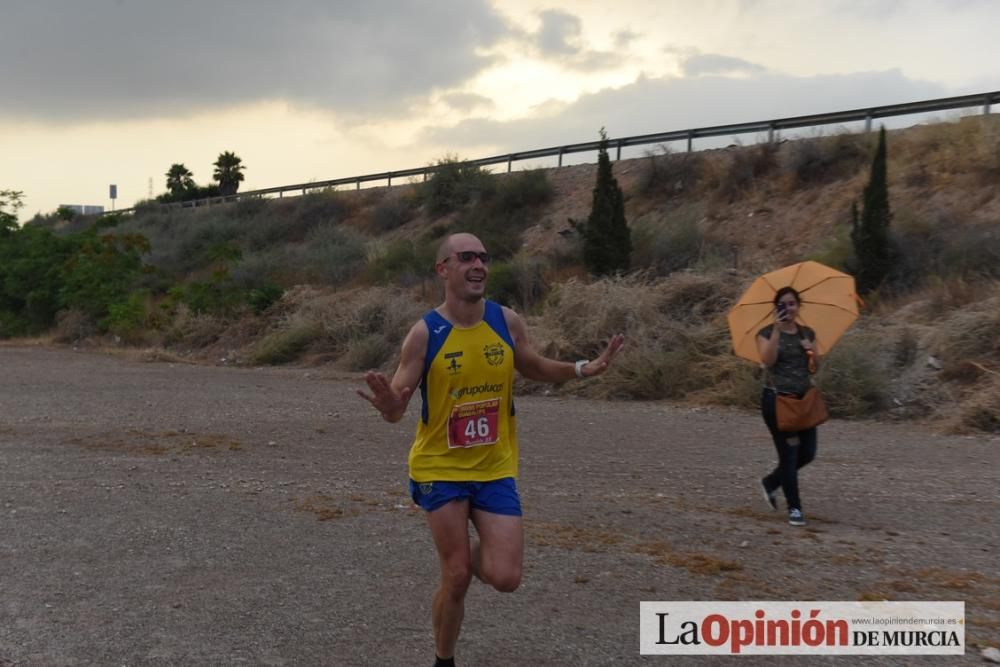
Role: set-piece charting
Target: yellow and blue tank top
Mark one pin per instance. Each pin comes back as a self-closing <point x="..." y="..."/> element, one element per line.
<point x="467" y="430"/>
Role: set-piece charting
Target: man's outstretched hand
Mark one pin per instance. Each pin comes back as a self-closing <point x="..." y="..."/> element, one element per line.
<point x="388" y="401"/>
<point x="601" y="363"/>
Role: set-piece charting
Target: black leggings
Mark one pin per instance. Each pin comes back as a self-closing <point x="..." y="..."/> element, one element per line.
<point x="790" y="457"/>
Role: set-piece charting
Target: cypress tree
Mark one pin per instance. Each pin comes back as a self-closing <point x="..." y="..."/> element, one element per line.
<point x="870" y="233"/>
<point x="607" y="242"/>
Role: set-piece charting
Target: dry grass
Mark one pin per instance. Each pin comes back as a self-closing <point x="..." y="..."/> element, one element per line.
<point x="673" y="328"/>
<point x="360" y="328"/>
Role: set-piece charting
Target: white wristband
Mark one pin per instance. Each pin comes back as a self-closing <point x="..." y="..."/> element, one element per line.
<point x="579" y="367"/>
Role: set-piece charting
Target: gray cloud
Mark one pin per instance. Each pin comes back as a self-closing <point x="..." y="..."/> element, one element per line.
<point x="660" y="105"/>
<point x="559" y="39"/>
<point x="560" y="33"/>
<point x="64" y="59"/>
<point x="623" y="38"/>
<point x="467" y="101"/>
<point x="712" y="63"/>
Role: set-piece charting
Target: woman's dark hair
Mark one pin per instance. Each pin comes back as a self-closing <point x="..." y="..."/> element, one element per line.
<point x="787" y="290"/>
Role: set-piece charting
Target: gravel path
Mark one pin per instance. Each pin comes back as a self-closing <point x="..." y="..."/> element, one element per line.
<point x="167" y="514"/>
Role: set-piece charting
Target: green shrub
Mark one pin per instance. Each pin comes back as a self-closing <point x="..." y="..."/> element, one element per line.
<point x="523" y="189"/>
<point x="666" y="246"/>
<point x="331" y="254"/>
<point x="126" y="319"/>
<point x="219" y="296"/>
<point x="368" y="352"/>
<point x="262" y="298"/>
<point x="32" y="278"/>
<point x="287" y="345"/>
<point x="453" y="184"/>
<point x="836" y="250"/>
<point x="393" y="211"/>
<point x="402" y="261"/>
<point x="499" y="230"/>
<point x="519" y="283"/>
<point x="500" y="219"/>
<point x="853" y="377"/>
<point x="102" y="272"/>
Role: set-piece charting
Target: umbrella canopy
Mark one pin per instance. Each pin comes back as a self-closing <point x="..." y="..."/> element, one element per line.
<point x="829" y="305"/>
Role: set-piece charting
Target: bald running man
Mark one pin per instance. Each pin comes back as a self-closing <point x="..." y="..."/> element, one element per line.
<point x="463" y="461"/>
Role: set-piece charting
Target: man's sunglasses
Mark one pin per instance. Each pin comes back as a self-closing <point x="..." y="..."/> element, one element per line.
<point x="469" y="256"/>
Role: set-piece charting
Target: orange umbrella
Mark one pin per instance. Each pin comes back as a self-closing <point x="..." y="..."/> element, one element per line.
<point x="829" y="306"/>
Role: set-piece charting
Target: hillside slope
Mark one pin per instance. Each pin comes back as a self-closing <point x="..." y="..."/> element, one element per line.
<point x="355" y="268"/>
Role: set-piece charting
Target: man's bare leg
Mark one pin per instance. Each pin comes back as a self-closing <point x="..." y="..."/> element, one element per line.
<point x="450" y="529"/>
<point x="497" y="557"/>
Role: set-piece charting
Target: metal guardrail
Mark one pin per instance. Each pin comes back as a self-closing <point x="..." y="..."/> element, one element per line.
<point x="769" y="126"/>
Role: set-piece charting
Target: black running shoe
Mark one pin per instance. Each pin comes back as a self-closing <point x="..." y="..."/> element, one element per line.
<point x="770" y="496"/>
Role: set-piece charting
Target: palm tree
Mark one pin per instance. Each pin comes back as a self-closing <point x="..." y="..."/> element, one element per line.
<point x="228" y="173"/>
<point x="179" y="179"/>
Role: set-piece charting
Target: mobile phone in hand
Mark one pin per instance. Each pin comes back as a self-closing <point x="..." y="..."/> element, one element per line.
<point x="781" y="311"/>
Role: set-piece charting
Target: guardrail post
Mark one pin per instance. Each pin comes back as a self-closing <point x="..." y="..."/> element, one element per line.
<point x="618" y="153"/>
<point x="358" y="184"/>
<point x="690" y="141"/>
<point x="389" y="178"/>
<point x="281" y="194"/>
<point x="770" y="134"/>
<point x="986" y="105"/>
<point x="510" y="161"/>
<point x="560" y="156"/>
<point x="868" y="123"/>
<point x="303" y="192"/>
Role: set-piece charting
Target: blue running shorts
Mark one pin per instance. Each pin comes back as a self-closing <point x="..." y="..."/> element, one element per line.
<point x="497" y="497"/>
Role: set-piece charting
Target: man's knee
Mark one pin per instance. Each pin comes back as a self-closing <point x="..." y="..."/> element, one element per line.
<point x="455" y="578"/>
<point x="505" y="580"/>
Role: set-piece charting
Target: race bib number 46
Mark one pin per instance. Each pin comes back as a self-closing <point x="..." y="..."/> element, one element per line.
<point x="474" y="424"/>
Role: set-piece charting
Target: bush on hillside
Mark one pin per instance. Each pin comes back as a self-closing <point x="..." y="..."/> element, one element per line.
<point x="675" y="243"/>
<point x="402" y="262"/>
<point x="816" y="160"/>
<point x="286" y="345"/>
<point x="853" y="376"/>
<point x="518" y="283"/>
<point x="500" y="218"/>
<point x="665" y="173"/>
<point x="739" y="169"/>
<point x="452" y="185"/>
<point x="394" y="210"/>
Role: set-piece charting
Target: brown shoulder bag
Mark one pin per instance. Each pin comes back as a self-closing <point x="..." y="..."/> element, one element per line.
<point x="800" y="414"/>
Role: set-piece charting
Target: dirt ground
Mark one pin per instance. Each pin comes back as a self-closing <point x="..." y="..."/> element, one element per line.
<point x="167" y="514"/>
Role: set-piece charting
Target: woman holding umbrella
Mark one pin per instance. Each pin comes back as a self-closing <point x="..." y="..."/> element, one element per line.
<point x="809" y="306"/>
<point x="787" y="350"/>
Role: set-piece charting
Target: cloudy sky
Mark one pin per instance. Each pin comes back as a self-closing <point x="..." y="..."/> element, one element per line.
<point x="94" y="92"/>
